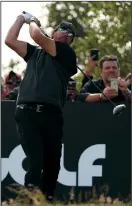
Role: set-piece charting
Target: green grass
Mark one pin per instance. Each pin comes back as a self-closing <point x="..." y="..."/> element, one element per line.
<point x="34" y="197"/>
<point x="60" y="204"/>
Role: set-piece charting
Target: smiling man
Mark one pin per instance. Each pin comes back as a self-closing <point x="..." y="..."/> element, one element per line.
<point x="109" y="69"/>
<point x="41" y="97"/>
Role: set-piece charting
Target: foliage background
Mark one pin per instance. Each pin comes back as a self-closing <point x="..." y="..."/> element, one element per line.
<point x="102" y="25"/>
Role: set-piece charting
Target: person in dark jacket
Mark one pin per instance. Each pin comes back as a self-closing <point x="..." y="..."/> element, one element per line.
<point x="109" y="69"/>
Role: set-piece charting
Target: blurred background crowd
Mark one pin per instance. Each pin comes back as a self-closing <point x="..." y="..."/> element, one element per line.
<point x="77" y="84"/>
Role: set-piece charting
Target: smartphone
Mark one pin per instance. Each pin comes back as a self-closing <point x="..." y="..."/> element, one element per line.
<point x="71" y="85"/>
<point x="94" y="52"/>
<point x="114" y="84"/>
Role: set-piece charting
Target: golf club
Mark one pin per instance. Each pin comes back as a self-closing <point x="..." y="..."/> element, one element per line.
<point x="117" y="108"/>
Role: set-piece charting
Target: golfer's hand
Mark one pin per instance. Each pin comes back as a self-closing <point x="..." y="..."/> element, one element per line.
<point x="110" y="93"/>
<point x="27" y="17"/>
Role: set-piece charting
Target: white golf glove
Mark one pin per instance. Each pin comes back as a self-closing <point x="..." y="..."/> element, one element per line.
<point x="27" y="16"/>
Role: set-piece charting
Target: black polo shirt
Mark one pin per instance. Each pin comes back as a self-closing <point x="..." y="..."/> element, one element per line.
<point x="46" y="77"/>
<point x="90" y="88"/>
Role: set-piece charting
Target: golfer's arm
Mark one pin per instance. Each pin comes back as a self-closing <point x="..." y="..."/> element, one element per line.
<point x="46" y="43"/>
<point x="20" y="47"/>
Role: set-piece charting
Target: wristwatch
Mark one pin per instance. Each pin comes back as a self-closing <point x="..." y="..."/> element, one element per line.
<point x="34" y="19"/>
<point x="100" y="98"/>
<point x="127" y="92"/>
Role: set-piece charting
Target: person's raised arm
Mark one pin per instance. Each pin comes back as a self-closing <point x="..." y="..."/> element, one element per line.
<point x="42" y="40"/>
<point x="11" y="40"/>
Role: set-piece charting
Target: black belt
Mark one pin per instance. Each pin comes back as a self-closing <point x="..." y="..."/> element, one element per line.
<point x="38" y="107"/>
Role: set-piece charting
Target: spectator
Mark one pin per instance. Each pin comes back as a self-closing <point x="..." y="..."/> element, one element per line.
<point x="80" y="78"/>
<point x="109" y="69"/>
<point x="12" y="95"/>
<point x="12" y="80"/>
<point x="2" y="88"/>
<point x="71" y="89"/>
<point x="78" y="81"/>
<point x="2" y="81"/>
<point x="128" y="79"/>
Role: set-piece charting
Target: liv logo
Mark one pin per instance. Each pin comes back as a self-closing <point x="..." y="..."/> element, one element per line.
<point x="86" y="169"/>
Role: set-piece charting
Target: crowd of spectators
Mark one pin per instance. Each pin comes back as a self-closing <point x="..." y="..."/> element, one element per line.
<point x="82" y="89"/>
<point x="79" y="87"/>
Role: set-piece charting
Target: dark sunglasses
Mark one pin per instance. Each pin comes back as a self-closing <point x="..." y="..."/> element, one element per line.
<point x="63" y="30"/>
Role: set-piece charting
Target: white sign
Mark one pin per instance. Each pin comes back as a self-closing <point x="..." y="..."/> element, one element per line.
<point x="86" y="169"/>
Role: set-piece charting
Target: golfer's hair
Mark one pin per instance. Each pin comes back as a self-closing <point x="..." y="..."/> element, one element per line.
<point x="108" y="58"/>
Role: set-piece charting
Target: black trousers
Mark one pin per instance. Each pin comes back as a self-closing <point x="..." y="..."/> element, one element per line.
<point x="40" y="135"/>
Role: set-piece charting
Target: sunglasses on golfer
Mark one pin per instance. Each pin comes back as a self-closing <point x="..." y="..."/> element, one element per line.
<point x="63" y="30"/>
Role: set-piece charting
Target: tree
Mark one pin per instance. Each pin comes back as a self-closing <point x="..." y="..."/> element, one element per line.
<point x="102" y="25"/>
<point x="13" y="63"/>
<point x="11" y="66"/>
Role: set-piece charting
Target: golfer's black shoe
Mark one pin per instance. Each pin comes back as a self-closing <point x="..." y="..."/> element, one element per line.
<point x="49" y="198"/>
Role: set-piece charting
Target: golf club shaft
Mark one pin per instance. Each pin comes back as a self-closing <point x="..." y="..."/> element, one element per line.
<point x="96" y="86"/>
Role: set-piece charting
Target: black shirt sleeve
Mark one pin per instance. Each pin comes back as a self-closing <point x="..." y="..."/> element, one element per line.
<point x="74" y="65"/>
<point x="66" y="57"/>
<point x="30" y="50"/>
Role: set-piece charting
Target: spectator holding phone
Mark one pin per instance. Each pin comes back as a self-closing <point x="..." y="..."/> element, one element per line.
<point x="78" y="81"/>
<point x="110" y="71"/>
<point x="71" y="90"/>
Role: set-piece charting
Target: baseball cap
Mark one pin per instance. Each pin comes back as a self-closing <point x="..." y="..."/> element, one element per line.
<point x="67" y="25"/>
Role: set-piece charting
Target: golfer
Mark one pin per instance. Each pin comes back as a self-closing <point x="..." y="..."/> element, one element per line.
<point x="41" y="97"/>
